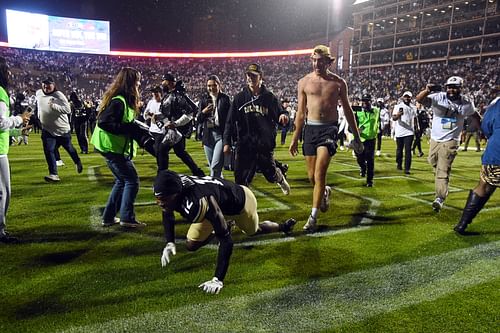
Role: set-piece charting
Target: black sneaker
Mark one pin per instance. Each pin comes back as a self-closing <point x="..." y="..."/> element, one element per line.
<point x="369" y="184"/>
<point x="79" y="167"/>
<point x="132" y="224"/>
<point x="8" y="239"/>
<point x="287" y="226"/>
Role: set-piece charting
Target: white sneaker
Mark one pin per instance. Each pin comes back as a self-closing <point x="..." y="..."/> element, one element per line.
<point x="342" y="148"/>
<point x="310" y="226"/>
<point x="285" y="187"/>
<point x="377" y="153"/>
<point x="59" y="163"/>
<point x="52" y="178"/>
<point x="437" y="204"/>
<point x="325" y="202"/>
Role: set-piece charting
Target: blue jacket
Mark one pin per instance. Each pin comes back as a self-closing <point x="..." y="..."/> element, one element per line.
<point x="491" y="128"/>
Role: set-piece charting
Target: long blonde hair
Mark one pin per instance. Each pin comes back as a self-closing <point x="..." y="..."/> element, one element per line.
<point x="125" y="84"/>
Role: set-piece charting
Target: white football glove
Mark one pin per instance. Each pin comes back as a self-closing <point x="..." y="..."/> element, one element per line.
<point x="212" y="287"/>
<point x="357" y="145"/>
<point x="167" y="252"/>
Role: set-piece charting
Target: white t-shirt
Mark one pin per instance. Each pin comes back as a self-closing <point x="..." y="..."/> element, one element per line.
<point x="448" y="116"/>
<point x="405" y="124"/>
<point x="153" y="107"/>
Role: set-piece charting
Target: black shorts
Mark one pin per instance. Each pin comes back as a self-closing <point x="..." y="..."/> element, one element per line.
<point x="320" y="135"/>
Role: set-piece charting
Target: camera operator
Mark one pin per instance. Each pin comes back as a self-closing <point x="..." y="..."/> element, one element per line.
<point x="404" y="116"/>
<point x="177" y="113"/>
<point x="449" y="109"/>
<point x="80" y="122"/>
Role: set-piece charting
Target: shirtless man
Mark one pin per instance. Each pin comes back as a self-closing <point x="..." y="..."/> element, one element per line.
<point x="317" y="120"/>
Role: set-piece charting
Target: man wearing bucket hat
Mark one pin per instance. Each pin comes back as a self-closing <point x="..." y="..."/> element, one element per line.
<point x="317" y="121"/>
<point x="449" y="108"/>
<point x="206" y="202"/>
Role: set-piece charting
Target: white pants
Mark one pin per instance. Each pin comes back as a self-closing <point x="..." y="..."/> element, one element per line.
<point x="4" y="190"/>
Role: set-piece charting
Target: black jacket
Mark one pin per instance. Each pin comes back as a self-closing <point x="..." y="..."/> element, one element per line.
<point x="223" y="105"/>
<point x="253" y="119"/>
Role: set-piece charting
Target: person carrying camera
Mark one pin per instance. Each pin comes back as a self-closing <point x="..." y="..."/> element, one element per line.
<point x="404" y="116"/>
<point x="177" y="113"/>
<point x="449" y="108"/>
<point x="212" y="114"/>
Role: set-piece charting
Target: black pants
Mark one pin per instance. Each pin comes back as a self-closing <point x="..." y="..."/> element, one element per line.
<point x="418" y="142"/>
<point x="404" y="142"/>
<point x="379" y="140"/>
<point x="81" y="134"/>
<point x="163" y="150"/>
<point x="247" y="160"/>
<point x="366" y="160"/>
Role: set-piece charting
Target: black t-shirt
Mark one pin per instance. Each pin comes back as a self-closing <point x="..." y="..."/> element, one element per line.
<point x="196" y="191"/>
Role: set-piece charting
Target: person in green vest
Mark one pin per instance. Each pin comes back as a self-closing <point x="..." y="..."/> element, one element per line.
<point x="112" y="137"/>
<point x="7" y="122"/>
<point x="368" y="118"/>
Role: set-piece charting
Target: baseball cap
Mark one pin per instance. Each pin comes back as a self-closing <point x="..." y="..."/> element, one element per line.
<point x="167" y="183"/>
<point x="321" y="51"/>
<point x="380" y="100"/>
<point x="366" y="97"/>
<point x="254" y="69"/>
<point x="48" y="80"/>
<point x="407" y="93"/>
<point x="168" y="77"/>
<point x="454" y="81"/>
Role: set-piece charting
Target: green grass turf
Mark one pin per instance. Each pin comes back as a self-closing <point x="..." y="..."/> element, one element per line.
<point x="69" y="274"/>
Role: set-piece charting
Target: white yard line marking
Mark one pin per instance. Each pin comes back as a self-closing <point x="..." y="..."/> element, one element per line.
<point x="323" y="304"/>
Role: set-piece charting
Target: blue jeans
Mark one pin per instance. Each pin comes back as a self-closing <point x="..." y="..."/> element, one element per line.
<point x="122" y="196"/>
<point x="215" y="155"/>
<point x="52" y="143"/>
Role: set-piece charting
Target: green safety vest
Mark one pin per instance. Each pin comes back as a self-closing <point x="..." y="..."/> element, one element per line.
<point x="107" y="142"/>
<point x="369" y="123"/>
<point x="4" y="134"/>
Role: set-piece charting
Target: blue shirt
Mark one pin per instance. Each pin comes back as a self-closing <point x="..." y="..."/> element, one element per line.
<point x="491" y="129"/>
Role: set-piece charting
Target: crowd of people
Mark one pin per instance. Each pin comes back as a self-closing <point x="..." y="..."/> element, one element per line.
<point x="235" y="107"/>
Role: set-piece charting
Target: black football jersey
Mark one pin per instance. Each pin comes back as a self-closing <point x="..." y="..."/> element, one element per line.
<point x="196" y="191"/>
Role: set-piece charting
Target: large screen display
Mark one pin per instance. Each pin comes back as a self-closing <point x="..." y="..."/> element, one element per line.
<point x="37" y="31"/>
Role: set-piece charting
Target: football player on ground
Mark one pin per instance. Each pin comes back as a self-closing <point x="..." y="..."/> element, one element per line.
<point x="208" y="203"/>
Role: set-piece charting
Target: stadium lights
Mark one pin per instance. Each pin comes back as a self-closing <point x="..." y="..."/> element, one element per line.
<point x="203" y="55"/>
<point x="211" y="55"/>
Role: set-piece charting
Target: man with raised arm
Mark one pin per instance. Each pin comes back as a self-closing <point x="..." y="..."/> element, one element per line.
<point x="316" y="121"/>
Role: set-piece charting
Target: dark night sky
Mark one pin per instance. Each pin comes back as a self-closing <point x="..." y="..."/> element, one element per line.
<point x="161" y="25"/>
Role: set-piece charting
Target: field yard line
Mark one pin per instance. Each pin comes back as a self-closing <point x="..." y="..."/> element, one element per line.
<point x="324" y="304"/>
<point x="382" y="177"/>
<point x="91" y="173"/>
<point x="452" y="189"/>
<point x="95" y="221"/>
<point x="372" y="211"/>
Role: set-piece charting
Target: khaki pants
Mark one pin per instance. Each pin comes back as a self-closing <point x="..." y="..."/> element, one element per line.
<point x="247" y="220"/>
<point x="441" y="156"/>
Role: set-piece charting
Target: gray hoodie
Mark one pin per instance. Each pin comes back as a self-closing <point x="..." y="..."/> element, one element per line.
<point x="55" y="117"/>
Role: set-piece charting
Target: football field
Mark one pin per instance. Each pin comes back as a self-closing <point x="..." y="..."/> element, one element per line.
<point x="381" y="261"/>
